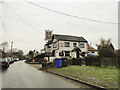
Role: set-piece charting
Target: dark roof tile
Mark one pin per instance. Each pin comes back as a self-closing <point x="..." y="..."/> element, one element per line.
<point x="69" y="38"/>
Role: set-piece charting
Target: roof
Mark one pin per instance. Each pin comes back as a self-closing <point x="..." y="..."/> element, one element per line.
<point x="116" y="51"/>
<point x="91" y="48"/>
<point x="76" y="49"/>
<point x="68" y="38"/>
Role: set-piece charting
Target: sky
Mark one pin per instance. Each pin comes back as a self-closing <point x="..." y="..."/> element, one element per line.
<point x="25" y="24"/>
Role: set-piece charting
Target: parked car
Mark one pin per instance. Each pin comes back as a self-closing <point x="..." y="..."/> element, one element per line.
<point x="4" y="62"/>
<point x="9" y="60"/>
<point x="16" y="59"/>
<point x="12" y="60"/>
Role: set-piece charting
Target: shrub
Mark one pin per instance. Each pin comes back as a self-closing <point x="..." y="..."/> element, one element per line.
<point x="92" y="60"/>
<point x="28" y="60"/>
<point x="76" y="61"/>
<point x="69" y="60"/>
<point x="109" y="62"/>
<point x="106" y="52"/>
<point x="47" y="64"/>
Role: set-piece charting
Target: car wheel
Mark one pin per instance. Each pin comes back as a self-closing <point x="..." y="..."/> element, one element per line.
<point x="6" y="66"/>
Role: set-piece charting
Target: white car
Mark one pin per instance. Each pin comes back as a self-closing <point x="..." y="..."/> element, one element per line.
<point x="16" y="59"/>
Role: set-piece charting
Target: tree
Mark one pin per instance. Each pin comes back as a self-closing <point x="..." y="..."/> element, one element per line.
<point x="4" y="45"/>
<point x="31" y="54"/>
<point x="20" y="52"/>
<point x="106" y="48"/>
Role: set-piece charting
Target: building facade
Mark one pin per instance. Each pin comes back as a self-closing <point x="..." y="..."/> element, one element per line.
<point x="66" y="46"/>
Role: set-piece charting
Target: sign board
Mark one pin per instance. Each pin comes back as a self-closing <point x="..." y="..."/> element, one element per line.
<point x="48" y="35"/>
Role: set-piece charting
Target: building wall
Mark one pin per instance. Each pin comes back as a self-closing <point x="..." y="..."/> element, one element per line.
<point x="61" y="47"/>
<point x="73" y="55"/>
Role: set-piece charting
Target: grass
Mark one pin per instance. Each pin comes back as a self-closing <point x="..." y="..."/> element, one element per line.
<point x="105" y="77"/>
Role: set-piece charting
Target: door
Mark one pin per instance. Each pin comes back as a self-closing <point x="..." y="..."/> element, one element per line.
<point x="77" y="54"/>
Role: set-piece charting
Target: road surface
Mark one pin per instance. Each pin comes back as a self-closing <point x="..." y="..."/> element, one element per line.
<point x="22" y="75"/>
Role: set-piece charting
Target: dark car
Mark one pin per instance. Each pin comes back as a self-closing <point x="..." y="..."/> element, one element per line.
<point x="4" y="62"/>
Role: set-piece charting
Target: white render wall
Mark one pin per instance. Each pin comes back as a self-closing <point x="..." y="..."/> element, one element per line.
<point x="61" y="46"/>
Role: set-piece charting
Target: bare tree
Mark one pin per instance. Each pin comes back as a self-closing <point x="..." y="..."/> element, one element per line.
<point x="4" y="45"/>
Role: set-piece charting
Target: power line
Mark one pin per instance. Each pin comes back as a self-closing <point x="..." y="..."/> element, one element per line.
<point x="22" y="19"/>
<point x="69" y="14"/>
<point x="5" y="28"/>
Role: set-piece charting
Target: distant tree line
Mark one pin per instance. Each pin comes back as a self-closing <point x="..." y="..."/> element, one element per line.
<point x="4" y="52"/>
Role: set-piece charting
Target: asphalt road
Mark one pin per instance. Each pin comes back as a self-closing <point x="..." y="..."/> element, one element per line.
<point x="22" y="75"/>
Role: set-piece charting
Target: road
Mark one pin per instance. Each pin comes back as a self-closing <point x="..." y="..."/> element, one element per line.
<point x="22" y="75"/>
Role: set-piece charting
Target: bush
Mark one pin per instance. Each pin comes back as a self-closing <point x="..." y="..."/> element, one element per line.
<point x="28" y="60"/>
<point x="76" y="61"/>
<point x="103" y="62"/>
<point x="69" y="60"/>
<point x="106" y="52"/>
<point x="47" y="64"/>
<point x="92" y="60"/>
<point x="109" y="62"/>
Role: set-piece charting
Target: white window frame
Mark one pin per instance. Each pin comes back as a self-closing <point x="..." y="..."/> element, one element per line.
<point x="65" y="45"/>
<point x="82" y="45"/>
<point x="74" y="45"/>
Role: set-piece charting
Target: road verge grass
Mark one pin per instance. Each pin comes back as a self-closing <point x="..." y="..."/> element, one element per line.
<point x="105" y="77"/>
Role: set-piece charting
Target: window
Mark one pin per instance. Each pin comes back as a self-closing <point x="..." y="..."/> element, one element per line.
<point x="82" y="45"/>
<point x="67" y="44"/>
<point x="54" y="45"/>
<point x="74" y="44"/>
<point x="67" y="53"/>
<point x="49" y="46"/>
<point x="92" y="51"/>
<point x="61" y="53"/>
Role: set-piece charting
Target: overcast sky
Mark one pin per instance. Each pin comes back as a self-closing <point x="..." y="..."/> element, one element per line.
<point x="25" y="23"/>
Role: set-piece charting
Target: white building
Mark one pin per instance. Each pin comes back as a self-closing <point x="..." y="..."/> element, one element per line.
<point x="66" y="46"/>
<point x="42" y="51"/>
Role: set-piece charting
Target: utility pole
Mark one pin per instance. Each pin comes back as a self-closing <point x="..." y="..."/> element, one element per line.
<point x="91" y="44"/>
<point x="11" y="48"/>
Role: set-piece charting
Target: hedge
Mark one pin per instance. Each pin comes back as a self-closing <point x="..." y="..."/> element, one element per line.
<point x="109" y="62"/>
<point x="47" y="64"/>
<point x="103" y="62"/>
<point x="92" y="60"/>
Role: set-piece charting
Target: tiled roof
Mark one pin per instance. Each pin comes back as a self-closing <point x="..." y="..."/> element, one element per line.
<point x="91" y="48"/>
<point x="116" y="51"/>
<point x="69" y="38"/>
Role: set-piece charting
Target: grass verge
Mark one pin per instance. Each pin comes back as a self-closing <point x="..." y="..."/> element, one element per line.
<point x="105" y="77"/>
